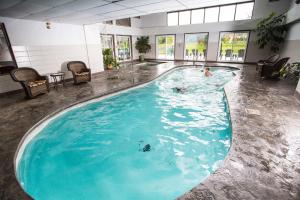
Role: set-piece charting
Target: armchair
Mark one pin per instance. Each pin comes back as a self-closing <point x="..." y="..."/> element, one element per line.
<point x="79" y="71"/>
<point x="32" y="82"/>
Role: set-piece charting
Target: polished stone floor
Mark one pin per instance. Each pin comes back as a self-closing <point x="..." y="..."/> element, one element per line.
<point x="263" y="162"/>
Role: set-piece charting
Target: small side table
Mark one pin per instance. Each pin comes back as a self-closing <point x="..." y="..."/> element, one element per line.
<point x="59" y="78"/>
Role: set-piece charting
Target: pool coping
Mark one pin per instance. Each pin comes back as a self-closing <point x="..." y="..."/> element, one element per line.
<point x="49" y="117"/>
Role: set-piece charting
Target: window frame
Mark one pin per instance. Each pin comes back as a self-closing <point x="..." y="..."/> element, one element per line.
<point x="203" y="16"/>
<point x="113" y="40"/>
<point x="190" y="11"/>
<point x="156" y="46"/>
<point x="233" y="14"/>
<point x="204" y="8"/>
<point x="185" y="44"/>
<point x="246" y="49"/>
<point x="177" y="18"/>
<point x="244" y="3"/>
<point x="10" y="64"/>
<point x="130" y="49"/>
<point x="217" y="17"/>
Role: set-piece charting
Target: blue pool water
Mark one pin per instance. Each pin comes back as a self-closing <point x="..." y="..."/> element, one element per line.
<point x="96" y="151"/>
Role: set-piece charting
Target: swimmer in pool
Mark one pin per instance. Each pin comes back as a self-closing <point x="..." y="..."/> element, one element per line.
<point x="179" y="90"/>
<point x="207" y="73"/>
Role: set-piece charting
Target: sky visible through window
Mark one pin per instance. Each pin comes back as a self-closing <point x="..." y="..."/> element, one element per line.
<point x="223" y="13"/>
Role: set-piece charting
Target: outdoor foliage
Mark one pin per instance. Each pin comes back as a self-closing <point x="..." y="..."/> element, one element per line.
<point x="196" y="42"/>
<point x="233" y="42"/>
<point x="271" y="31"/>
<point x="142" y="44"/>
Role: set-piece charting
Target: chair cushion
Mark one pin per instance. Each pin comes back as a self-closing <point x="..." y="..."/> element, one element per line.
<point x="82" y="73"/>
<point x="36" y="83"/>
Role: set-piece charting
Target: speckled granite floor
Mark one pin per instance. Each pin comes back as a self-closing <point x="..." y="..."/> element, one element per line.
<point x="264" y="160"/>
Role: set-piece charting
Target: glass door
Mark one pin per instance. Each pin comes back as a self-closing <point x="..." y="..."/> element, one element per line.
<point x="107" y="42"/>
<point x="233" y="46"/>
<point x="123" y="48"/>
<point x="195" y="45"/>
<point x="165" y="47"/>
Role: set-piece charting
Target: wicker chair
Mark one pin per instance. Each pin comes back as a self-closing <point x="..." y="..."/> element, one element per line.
<point x="80" y="72"/>
<point x="271" y="70"/>
<point x="32" y="82"/>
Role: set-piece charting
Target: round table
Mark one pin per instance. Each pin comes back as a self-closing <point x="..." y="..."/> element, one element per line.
<point x="58" y="78"/>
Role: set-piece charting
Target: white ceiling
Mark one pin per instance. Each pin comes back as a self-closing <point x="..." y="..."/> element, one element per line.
<point x="94" y="11"/>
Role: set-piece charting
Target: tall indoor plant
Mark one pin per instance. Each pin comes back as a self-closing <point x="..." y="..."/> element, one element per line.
<point x="271" y="31"/>
<point x="143" y="46"/>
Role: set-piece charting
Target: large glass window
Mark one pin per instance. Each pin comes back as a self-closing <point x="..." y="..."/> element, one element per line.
<point x="239" y="11"/>
<point x="244" y="11"/>
<point x="211" y="14"/>
<point x="227" y="13"/>
<point x="197" y="16"/>
<point x="195" y="45"/>
<point x="173" y="19"/>
<point x="233" y="46"/>
<point x="107" y="42"/>
<point x="165" y="46"/>
<point x="184" y="17"/>
<point x="123" y="48"/>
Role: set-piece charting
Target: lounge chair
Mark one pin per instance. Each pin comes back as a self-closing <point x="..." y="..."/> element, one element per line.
<point x="32" y="82"/>
<point x="271" y="70"/>
<point x="80" y="72"/>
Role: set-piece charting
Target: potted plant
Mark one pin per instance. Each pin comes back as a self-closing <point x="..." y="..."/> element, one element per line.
<point x="143" y="46"/>
<point x="290" y="71"/>
<point x="271" y="31"/>
<point x="108" y="58"/>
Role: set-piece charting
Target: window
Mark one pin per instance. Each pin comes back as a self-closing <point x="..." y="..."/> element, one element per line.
<point x="239" y="11"/>
<point x="211" y="14"/>
<point x="108" y="22"/>
<point x="227" y="13"/>
<point x="244" y="11"/>
<point x="123" y="48"/>
<point x="173" y="19"/>
<point x="107" y="42"/>
<point x="197" y="16"/>
<point x="165" y="46"/>
<point x="184" y="17"/>
<point x="233" y="46"/>
<point x="7" y="58"/>
<point x="124" y="22"/>
<point x="195" y="45"/>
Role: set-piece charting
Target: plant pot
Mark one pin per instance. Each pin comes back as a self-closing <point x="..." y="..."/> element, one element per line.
<point x="141" y="57"/>
<point x="110" y="66"/>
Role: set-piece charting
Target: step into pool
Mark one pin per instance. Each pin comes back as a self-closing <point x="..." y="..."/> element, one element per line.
<point x="153" y="143"/>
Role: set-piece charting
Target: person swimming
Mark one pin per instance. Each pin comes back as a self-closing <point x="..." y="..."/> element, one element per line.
<point x="207" y="73"/>
<point x="179" y="90"/>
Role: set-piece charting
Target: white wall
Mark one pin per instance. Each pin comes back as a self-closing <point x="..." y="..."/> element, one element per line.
<point x="156" y="24"/>
<point x="48" y="50"/>
<point x="291" y="46"/>
<point x="294" y="12"/>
